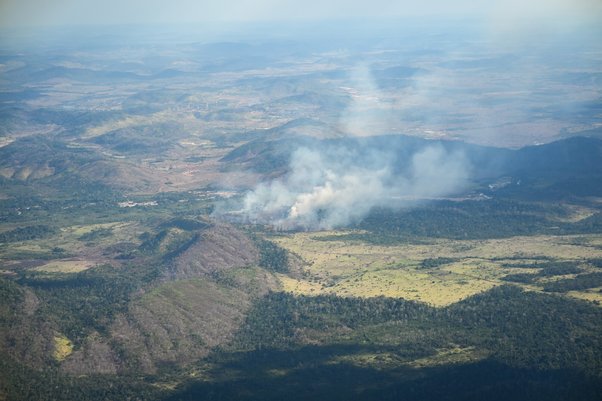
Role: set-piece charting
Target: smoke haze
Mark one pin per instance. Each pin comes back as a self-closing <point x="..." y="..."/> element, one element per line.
<point x="338" y="184"/>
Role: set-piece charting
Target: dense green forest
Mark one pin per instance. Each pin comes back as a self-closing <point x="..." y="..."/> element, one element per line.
<point x="541" y="345"/>
<point x="494" y="218"/>
<point x="27" y="233"/>
<point x="272" y="257"/>
<point x="537" y="346"/>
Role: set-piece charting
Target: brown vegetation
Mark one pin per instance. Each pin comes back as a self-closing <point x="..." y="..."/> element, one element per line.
<point x="221" y="247"/>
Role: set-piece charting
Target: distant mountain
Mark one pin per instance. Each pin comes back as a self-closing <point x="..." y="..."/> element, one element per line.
<point x="37" y="157"/>
<point x="570" y="156"/>
<point x="47" y="164"/>
<point x="569" y="167"/>
<point x="77" y="74"/>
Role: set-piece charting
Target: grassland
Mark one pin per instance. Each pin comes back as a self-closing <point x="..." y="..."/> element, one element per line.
<point x="387" y="360"/>
<point x="354" y="268"/>
<point x="65" y="266"/>
<point x="73" y="248"/>
<point x="591" y="294"/>
<point x="62" y="347"/>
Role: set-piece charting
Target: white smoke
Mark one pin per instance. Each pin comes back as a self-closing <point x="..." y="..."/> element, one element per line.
<point x="365" y="113"/>
<point x="333" y="188"/>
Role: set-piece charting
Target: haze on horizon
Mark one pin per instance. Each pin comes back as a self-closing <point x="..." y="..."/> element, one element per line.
<point x="509" y="14"/>
<point x="534" y="33"/>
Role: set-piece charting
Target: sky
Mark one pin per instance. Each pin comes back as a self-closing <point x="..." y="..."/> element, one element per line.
<point x="23" y="13"/>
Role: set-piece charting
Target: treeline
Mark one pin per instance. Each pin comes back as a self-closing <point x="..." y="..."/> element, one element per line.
<point x="96" y="234"/>
<point x="523" y="329"/>
<point x="48" y="205"/>
<point x="185" y="224"/>
<point x="10" y="295"/>
<point x="469" y="220"/>
<point x="551" y="269"/>
<point x="271" y="256"/>
<point x="547" y="269"/>
<point x="581" y="282"/>
<point x="430" y="263"/>
<point x="276" y="321"/>
<point x="27" y="233"/>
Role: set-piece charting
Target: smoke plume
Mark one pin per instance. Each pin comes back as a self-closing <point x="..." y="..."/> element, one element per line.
<point x="338" y="184"/>
<point x="335" y="187"/>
